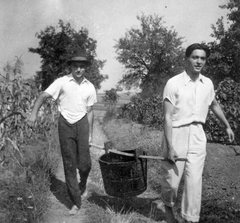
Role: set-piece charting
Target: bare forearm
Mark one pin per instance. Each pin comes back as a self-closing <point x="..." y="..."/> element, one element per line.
<point x="217" y="110"/>
<point x="168" y="131"/>
<point x="38" y="103"/>
<point x="168" y="111"/>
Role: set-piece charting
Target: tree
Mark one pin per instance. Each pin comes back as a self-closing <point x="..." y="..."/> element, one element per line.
<point x="57" y="45"/>
<point x="111" y="96"/>
<point x="225" y="57"/>
<point x="151" y="55"/>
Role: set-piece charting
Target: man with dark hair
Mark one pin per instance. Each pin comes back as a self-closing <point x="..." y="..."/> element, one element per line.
<point x="76" y="96"/>
<point x="186" y="100"/>
<point x="197" y="46"/>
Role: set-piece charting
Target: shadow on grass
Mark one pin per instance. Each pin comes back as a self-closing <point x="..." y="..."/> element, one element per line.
<point x="143" y="206"/>
<point x="59" y="190"/>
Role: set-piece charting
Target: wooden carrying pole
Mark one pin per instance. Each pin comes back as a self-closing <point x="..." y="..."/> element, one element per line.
<point x="108" y="148"/>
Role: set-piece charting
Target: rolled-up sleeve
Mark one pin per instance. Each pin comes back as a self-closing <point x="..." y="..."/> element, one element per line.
<point x="92" y="99"/>
<point x="169" y="92"/>
<point x="211" y="94"/>
<point x="54" y="89"/>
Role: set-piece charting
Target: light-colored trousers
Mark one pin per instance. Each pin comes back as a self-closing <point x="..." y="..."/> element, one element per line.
<point x="188" y="141"/>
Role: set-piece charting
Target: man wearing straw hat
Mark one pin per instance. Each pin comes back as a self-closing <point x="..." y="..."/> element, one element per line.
<point x="186" y="100"/>
<point x="76" y="96"/>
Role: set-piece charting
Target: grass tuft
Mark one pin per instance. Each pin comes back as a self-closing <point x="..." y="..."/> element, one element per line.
<point x="25" y="181"/>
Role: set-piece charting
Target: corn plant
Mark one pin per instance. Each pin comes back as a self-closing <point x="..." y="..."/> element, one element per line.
<point x="26" y="154"/>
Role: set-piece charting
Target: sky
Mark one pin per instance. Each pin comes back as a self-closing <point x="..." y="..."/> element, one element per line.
<point x="106" y="20"/>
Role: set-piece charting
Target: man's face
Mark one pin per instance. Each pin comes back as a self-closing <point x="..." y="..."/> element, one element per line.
<point x="78" y="69"/>
<point x="196" y="61"/>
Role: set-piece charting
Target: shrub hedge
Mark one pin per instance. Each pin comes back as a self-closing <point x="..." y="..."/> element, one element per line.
<point x="144" y="111"/>
<point x="228" y="96"/>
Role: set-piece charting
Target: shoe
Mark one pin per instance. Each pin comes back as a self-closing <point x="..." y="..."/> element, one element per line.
<point x="74" y="210"/>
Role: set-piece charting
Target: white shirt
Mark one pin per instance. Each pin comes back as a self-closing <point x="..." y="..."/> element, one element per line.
<point x="191" y="100"/>
<point x="72" y="97"/>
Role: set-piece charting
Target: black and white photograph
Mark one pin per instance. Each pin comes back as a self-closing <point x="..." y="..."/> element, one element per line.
<point x="119" y="111"/>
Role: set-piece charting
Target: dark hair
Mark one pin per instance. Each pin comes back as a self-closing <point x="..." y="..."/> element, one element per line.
<point x="197" y="46"/>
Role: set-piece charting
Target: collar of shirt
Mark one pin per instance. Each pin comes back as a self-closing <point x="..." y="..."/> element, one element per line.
<point x="187" y="79"/>
<point x="71" y="78"/>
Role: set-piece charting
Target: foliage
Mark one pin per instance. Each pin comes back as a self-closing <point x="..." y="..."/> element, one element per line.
<point x="17" y="97"/>
<point x="25" y="162"/>
<point x="144" y="111"/>
<point x="228" y="96"/>
<point x="111" y="96"/>
<point x="57" y="45"/>
<point x="111" y="113"/>
<point x="15" y="69"/>
<point x="110" y="100"/>
<point x="224" y="60"/>
<point x="151" y="54"/>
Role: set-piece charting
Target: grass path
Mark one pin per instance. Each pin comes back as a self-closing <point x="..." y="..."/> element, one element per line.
<point x="99" y="207"/>
<point x="58" y="212"/>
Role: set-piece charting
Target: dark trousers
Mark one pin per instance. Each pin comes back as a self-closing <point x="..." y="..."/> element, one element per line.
<point x="74" y="144"/>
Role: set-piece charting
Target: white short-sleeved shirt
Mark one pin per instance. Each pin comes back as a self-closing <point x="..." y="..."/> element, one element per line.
<point x="191" y="100"/>
<point x="72" y="97"/>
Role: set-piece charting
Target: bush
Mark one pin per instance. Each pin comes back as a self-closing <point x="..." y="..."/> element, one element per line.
<point x="228" y="96"/>
<point x="148" y="112"/>
<point x="111" y="113"/>
<point x="110" y="101"/>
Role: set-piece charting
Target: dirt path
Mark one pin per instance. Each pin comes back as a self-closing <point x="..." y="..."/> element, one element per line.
<point x="60" y="203"/>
